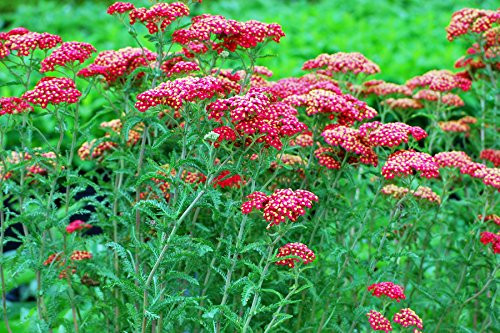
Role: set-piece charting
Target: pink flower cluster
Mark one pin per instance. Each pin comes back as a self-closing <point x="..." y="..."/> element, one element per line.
<point x="177" y="65"/>
<point x="433" y="96"/>
<point x="66" y="54"/>
<point x="454" y="159"/>
<point x="388" y="289"/>
<point x="24" y="42"/>
<point x="229" y="34"/>
<point x="14" y="105"/>
<point x="325" y="156"/>
<point x="342" y="62"/>
<point x="175" y="93"/>
<point x="53" y="90"/>
<point x="406" y="162"/>
<point x="439" y="80"/>
<point x="256" y="113"/>
<point x="382" y="88"/>
<point x="304" y="139"/>
<point x="403" y="103"/>
<point x="295" y="249"/>
<point x="471" y="20"/>
<point x="378" y="322"/>
<point x="492" y="155"/>
<point x="422" y="192"/>
<point x="113" y="65"/>
<point x="407" y="317"/>
<point x="494" y="239"/>
<point x="352" y="141"/>
<point x="77" y="225"/>
<point x="302" y="85"/>
<point x="347" y="108"/>
<point x="282" y="204"/>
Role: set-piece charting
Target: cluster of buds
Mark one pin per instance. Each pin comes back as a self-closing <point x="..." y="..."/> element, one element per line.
<point x="471" y="20"/>
<point x="53" y="90"/>
<point x="342" y="62"/>
<point x="295" y="249"/>
<point x="461" y="125"/>
<point x="175" y="93"/>
<point x="378" y="322"/>
<point x="403" y="104"/>
<point x="407" y="162"/>
<point x="256" y="114"/>
<point x="304" y="139"/>
<point x="346" y="108"/>
<point x="352" y="141"/>
<point x="67" y="54"/>
<point x="407" y="317"/>
<point x="422" y="192"/>
<point x="14" y="105"/>
<point x="282" y="204"/>
<point x="24" y="42"/>
<point x="16" y="158"/>
<point x="76" y="226"/>
<point x="494" y="239"/>
<point x="492" y="217"/>
<point x="229" y="34"/>
<point x="439" y="80"/>
<point x="59" y="258"/>
<point x="388" y="289"/>
<point x="382" y="88"/>
<point x="435" y="96"/>
<point x="178" y="65"/>
<point x="492" y="155"/>
<point x="114" y="65"/>
<point x="158" y="17"/>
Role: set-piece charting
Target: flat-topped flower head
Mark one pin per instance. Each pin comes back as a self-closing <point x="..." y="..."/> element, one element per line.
<point x="67" y="54"/>
<point x="390" y="134"/>
<point x="120" y="8"/>
<point x="80" y="255"/>
<point x="342" y="62"/>
<point x="283" y="204"/>
<point x="489" y="237"/>
<point x="77" y="225"/>
<point x="302" y="140"/>
<point x="352" y="141"/>
<point x="452" y="100"/>
<point x="14" y="105"/>
<point x="53" y="90"/>
<point x="378" y="322"/>
<point x="229" y="34"/>
<point x="454" y="126"/>
<point x="326" y="158"/>
<point x="492" y="155"/>
<point x="490" y="176"/>
<point x="394" y="191"/>
<point x="403" y="103"/>
<point x="388" y="289"/>
<point x="382" y="88"/>
<point x="114" y="65"/>
<point x="158" y="17"/>
<point x="24" y="42"/>
<point x="453" y="159"/>
<point x="492" y="217"/>
<point x="407" y="317"/>
<point x="177" y="65"/>
<point x="439" y="80"/>
<point x="302" y="85"/>
<point x="226" y="179"/>
<point x="175" y="93"/>
<point x="295" y="249"/>
<point x="426" y="193"/>
<point x="471" y="20"/>
<point x="407" y="162"/>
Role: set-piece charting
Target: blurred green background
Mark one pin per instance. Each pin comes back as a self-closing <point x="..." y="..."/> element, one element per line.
<point x="405" y="37"/>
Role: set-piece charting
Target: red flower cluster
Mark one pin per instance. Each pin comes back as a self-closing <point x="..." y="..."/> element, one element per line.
<point x="256" y="113"/>
<point x="295" y="249"/>
<point x="177" y="65"/>
<point x="407" y="317"/>
<point x="302" y="85"/>
<point x="67" y="53"/>
<point x="378" y="322"/>
<point x="53" y="90"/>
<point x="302" y="140"/>
<point x="230" y="34"/>
<point x="120" y="8"/>
<point x="77" y="225"/>
<point x="113" y="65"/>
<point x="342" y="62"/>
<point x="225" y="179"/>
<point x="159" y="16"/>
<point x="471" y="20"/>
<point x="352" y="141"/>
<point x="492" y="217"/>
<point x="388" y="289"/>
<point x="282" y="204"/>
<point x="175" y="93"/>
<point x="403" y="103"/>
<point x="406" y="162"/>
<point x="454" y="159"/>
<point x="382" y="88"/>
<point x="14" y="105"/>
<point x="390" y="134"/>
<point x="492" y="155"/>
<point x="439" y="80"/>
<point x="75" y="256"/>
<point x="24" y="42"/>
<point x="494" y="239"/>
<point x="325" y="156"/>
<point x="347" y="108"/>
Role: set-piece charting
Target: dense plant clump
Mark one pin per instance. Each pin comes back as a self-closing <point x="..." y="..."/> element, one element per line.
<point x="204" y="196"/>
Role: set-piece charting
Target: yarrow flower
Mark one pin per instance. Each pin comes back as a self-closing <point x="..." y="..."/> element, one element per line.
<point x="77" y="225"/>
<point x="175" y="93"/>
<point x="120" y="8"/>
<point x="295" y="249"/>
<point x="390" y="134"/>
<point x="177" y="65"/>
<point x="407" y="317"/>
<point x="494" y="239"/>
<point x="407" y="162"/>
<point x="388" y="289"/>
<point x="439" y="80"/>
<point x="492" y="217"/>
<point x="473" y="20"/>
<point x="256" y="113"/>
<point x="302" y="85"/>
<point x="382" y="88"/>
<point x="352" y="141"/>
<point x="325" y="156"/>
<point x="426" y="193"/>
<point x="303" y="140"/>
<point x="113" y="65"/>
<point x="158" y="17"/>
<point x="75" y="256"/>
<point x="225" y="179"/>
<point x="282" y="204"/>
<point x="342" y="62"/>
<point x="229" y="34"/>
<point x="454" y="159"/>
<point x="67" y="53"/>
<point x="394" y="191"/>
<point x="492" y="155"/>
<point x="53" y="90"/>
<point x="403" y="103"/>
<point x="456" y="126"/>
<point x="378" y="322"/>
<point x="25" y="42"/>
<point x="14" y="105"/>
